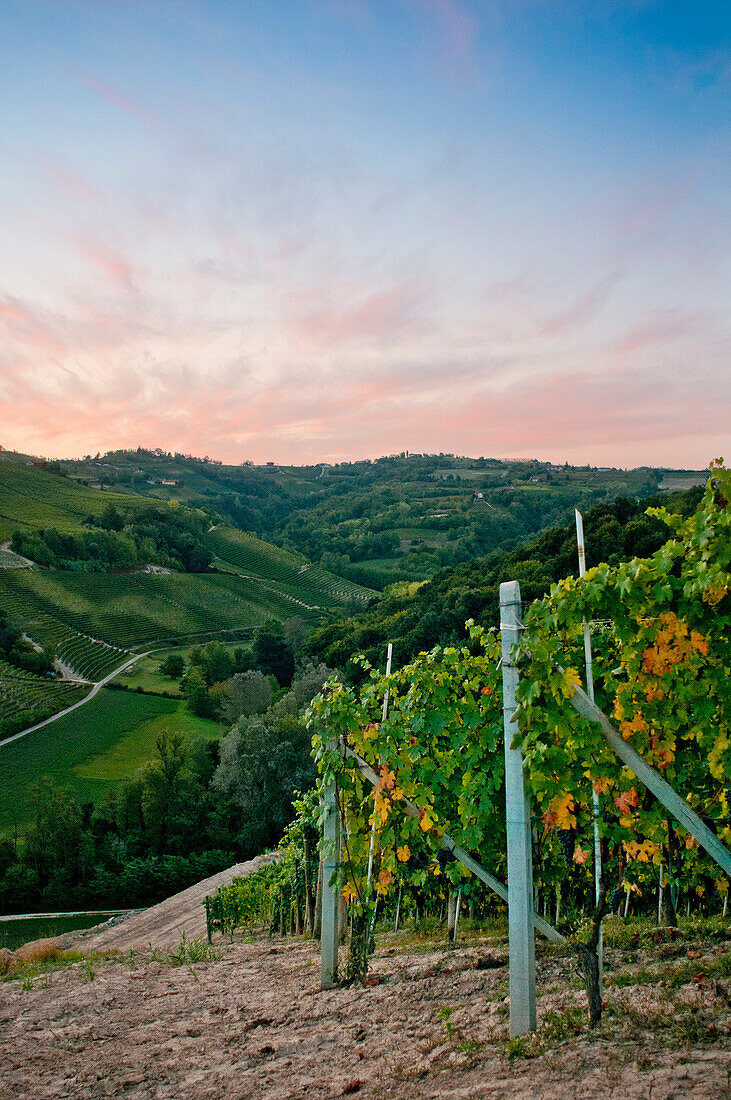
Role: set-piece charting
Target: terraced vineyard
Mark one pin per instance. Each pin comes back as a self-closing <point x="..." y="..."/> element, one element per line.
<point x="93" y="619"/>
<point x="292" y="574"/>
<point x="21" y="594"/>
<point x="23" y="693"/>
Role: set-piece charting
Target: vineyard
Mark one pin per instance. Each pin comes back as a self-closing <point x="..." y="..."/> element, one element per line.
<point x="93" y="620"/>
<point x="308" y="585"/>
<point x="32" y="497"/>
<point x="84" y="615"/>
<point x="28" y="598"/>
<point x="26" y="699"/>
<point x="10" y="560"/>
<point x="413" y="764"/>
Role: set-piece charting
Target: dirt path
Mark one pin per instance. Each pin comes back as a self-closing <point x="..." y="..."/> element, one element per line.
<point x="67" y="672"/>
<point x="254" y="1024"/>
<point x="163" y="925"/>
<point x="26" y="563"/>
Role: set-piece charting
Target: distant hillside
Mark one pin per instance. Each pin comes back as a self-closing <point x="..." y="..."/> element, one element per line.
<point x="90" y="595"/>
<point x="36" y="495"/>
<point x="400" y="517"/>
<point x="417" y="617"/>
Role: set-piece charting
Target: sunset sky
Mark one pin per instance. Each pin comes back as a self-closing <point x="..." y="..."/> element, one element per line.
<point x="307" y="230"/>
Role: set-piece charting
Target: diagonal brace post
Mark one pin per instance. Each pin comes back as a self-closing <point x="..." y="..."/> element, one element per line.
<point x="459" y="854"/>
<point x="654" y="782"/>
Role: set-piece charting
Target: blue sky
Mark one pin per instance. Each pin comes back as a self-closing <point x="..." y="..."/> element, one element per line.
<point x="331" y="229"/>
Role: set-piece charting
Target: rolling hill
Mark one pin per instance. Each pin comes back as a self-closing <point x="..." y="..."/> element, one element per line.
<point x="400" y="517"/>
<point x="93" y="620"/>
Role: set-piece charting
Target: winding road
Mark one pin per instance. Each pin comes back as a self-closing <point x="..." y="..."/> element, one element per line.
<point x="67" y="710"/>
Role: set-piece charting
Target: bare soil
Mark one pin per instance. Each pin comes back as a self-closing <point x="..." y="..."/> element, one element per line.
<point x="431" y="1023"/>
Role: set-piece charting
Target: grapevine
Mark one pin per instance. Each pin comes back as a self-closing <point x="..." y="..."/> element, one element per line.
<point x="662" y="671"/>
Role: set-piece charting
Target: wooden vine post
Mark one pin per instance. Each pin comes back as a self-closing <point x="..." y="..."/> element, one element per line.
<point x="517" y="820"/>
<point x="330" y="893"/>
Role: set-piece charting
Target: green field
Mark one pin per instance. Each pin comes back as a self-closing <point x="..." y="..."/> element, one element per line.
<point x="145" y="673"/>
<point x="92" y="749"/>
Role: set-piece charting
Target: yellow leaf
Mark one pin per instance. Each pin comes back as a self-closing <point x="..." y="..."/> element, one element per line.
<point x="403" y="853"/>
<point x="559" y="813"/>
<point x="571" y="680"/>
<point x="388" y="778"/>
<point x="637" y="725"/>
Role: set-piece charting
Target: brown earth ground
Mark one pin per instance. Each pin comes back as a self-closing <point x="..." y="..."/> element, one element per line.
<point x="431" y="1023"/>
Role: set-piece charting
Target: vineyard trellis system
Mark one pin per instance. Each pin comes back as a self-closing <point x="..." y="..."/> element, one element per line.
<point x="670" y="697"/>
<point x="481" y="744"/>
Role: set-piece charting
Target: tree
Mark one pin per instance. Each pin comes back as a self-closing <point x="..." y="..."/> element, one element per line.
<point x="265" y="760"/>
<point x="111" y="519"/>
<point x="246" y="693"/>
<point x="173" y="666"/>
<point x="195" y="690"/>
<point x="53" y="837"/>
<point x="273" y="656"/>
<point x="309" y="681"/>
<point x="215" y="662"/>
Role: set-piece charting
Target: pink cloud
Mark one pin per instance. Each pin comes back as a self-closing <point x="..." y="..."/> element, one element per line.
<point x="106" y="91"/>
<point x="378" y="316"/>
<point x="583" y="308"/>
<point x="71" y="184"/>
<point x="116" y="269"/>
<point x="31" y="335"/>
<point x="659" y="327"/>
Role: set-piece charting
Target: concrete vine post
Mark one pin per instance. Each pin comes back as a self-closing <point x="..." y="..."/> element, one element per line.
<point x="588" y="662"/>
<point x="330" y="893"/>
<point x="517" y="819"/>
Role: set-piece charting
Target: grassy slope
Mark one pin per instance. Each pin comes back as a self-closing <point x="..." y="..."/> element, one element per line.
<point x="92" y="749"/>
<point x="31" y="497"/>
<point x="292" y="574"/>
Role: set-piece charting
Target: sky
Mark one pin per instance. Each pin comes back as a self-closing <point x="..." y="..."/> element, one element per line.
<point x="321" y="230"/>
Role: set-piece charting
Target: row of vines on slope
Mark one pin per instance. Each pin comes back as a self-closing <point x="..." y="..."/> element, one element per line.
<point x="281" y="895"/>
<point x="662" y="666"/>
